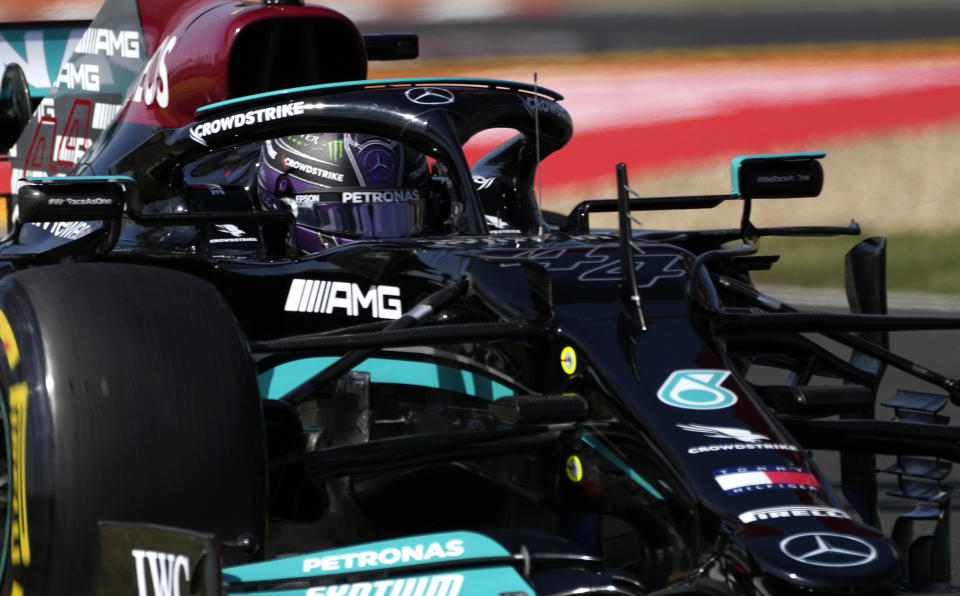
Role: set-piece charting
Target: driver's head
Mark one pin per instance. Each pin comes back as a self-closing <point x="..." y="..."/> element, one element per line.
<point x="345" y="186"/>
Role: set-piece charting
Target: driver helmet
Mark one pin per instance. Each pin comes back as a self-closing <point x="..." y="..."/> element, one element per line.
<point x="343" y="187"/>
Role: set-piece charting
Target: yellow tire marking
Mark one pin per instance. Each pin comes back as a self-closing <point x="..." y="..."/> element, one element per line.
<point x="19" y="534"/>
<point x="9" y="343"/>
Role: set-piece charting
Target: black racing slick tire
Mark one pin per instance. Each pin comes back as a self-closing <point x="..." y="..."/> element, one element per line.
<point x="130" y="395"/>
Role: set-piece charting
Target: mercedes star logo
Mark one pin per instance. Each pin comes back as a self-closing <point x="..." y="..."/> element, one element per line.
<point x="825" y="549"/>
<point x="430" y="96"/>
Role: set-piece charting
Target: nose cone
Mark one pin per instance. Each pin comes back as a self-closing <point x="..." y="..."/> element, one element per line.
<point x="840" y="555"/>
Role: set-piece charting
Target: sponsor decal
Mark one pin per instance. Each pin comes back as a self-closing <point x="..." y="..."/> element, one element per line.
<point x="290" y="163"/>
<point x="166" y="571"/>
<point x="68" y="145"/>
<point x="448" y="584"/>
<point x="10" y="349"/>
<point x="785" y="178"/>
<point x="236" y="234"/>
<point x="199" y="132"/>
<point x="270" y="149"/>
<point x="40" y="52"/>
<point x="697" y="389"/>
<point x="496" y="225"/>
<point x="335" y="149"/>
<point x="73" y="75"/>
<point x="483" y="182"/>
<point x="81" y="202"/>
<point x="720" y="447"/>
<point x="568" y="360"/>
<point x="379" y="196"/>
<point x="325" y="297"/>
<point x="307" y="198"/>
<point x="747" y="440"/>
<point x="547" y="106"/>
<point x="574" y="468"/>
<point x="429" y="96"/>
<point x="387" y="556"/>
<point x="787" y="511"/>
<point x="107" y="42"/>
<point x="826" y="549"/>
<point x="725" y="432"/>
<point x="378" y="162"/>
<point x="74" y="138"/>
<point x="154" y="83"/>
<point x="428" y="551"/>
<point x="68" y="230"/>
<point x="103" y="115"/>
<point x="19" y="528"/>
<point x="747" y="479"/>
<point x="231" y="229"/>
<point x="18" y="393"/>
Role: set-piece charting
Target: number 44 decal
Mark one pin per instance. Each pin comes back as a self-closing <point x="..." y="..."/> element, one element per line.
<point x="52" y="149"/>
<point x="697" y="389"/>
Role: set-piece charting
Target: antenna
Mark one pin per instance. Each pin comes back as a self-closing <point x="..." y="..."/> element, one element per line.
<point x="628" y="272"/>
<point x="536" y="172"/>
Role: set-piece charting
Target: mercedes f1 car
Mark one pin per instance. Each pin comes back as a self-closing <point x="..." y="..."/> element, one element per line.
<point x="461" y="393"/>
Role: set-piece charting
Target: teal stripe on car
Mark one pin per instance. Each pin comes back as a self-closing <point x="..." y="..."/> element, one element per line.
<point x="613" y="458"/>
<point x="354" y="85"/>
<point x="737" y="161"/>
<point x="372" y="556"/>
<point x="70" y="179"/>
<point x="280" y="380"/>
<point x="452" y="582"/>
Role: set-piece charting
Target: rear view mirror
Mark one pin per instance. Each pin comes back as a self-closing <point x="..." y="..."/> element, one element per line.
<point x="391" y="46"/>
<point x="783" y="176"/>
<point x="78" y="198"/>
<point x="15" y="107"/>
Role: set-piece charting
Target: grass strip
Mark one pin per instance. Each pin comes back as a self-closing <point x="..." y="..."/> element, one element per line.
<point x="916" y="261"/>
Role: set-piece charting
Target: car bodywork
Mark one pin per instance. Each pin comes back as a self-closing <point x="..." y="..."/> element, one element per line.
<point x="472" y="411"/>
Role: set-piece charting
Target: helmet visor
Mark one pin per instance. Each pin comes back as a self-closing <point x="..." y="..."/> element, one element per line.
<point x="364" y="213"/>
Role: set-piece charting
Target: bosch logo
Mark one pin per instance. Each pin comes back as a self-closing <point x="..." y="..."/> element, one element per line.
<point x="429" y="96"/>
<point x="825" y="549"/>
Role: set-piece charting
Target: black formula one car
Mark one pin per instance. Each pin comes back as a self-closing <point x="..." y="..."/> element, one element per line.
<point x="217" y="386"/>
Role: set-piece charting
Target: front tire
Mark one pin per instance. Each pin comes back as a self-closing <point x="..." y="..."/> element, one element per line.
<point x="130" y="396"/>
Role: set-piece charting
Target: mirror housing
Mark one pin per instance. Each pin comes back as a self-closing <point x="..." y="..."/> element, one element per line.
<point x="391" y="46"/>
<point x="777" y="176"/>
<point x="77" y="198"/>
